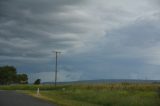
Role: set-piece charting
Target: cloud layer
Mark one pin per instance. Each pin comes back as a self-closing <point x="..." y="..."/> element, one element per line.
<point x="99" y="39"/>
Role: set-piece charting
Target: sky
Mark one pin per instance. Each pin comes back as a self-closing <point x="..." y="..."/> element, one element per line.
<point x="98" y="39"/>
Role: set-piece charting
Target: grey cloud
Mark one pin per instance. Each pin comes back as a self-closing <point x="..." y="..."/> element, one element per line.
<point x="28" y="28"/>
<point x="99" y="34"/>
<point x="141" y="35"/>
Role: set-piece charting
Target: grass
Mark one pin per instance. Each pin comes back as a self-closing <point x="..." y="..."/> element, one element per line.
<point x="121" y="94"/>
<point x="29" y="87"/>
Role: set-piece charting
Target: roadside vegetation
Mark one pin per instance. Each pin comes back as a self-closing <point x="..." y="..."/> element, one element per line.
<point x="120" y="94"/>
<point x="8" y="75"/>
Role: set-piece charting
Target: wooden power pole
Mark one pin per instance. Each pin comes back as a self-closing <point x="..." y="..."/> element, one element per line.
<point x="56" y="67"/>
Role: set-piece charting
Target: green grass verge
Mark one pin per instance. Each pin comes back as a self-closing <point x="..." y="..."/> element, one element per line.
<point x="121" y="94"/>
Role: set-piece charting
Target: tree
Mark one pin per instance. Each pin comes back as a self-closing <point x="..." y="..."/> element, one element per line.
<point x="37" y="82"/>
<point x="7" y="74"/>
<point x="22" y="79"/>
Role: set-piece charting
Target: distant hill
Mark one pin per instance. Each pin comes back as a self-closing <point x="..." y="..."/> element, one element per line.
<point x="103" y="81"/>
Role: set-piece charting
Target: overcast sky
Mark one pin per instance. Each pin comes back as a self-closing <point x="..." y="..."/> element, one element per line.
<point x="99" y="39"/>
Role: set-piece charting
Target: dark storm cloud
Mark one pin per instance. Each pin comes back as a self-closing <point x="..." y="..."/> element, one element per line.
<point x="30" y="28"/>
<point x="97" y="37"/>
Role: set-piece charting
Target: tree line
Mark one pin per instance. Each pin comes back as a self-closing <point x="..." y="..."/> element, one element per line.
<point x="8" y="75"/>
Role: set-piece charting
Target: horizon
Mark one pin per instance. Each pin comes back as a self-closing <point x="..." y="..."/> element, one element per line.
<point x="107" y="81"/>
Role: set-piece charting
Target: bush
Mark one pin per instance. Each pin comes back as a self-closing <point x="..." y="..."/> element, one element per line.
<point x="158" y="92"/>
<point x="37" y="82"/>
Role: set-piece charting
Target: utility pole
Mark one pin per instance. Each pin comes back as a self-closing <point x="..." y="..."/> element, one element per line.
<point x="56" y="67"/>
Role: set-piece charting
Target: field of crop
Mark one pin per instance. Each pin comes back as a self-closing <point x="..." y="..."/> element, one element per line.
<point x="122" y="94"/>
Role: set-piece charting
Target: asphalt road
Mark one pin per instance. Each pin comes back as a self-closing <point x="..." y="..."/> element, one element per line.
<point x="11" y="98"/>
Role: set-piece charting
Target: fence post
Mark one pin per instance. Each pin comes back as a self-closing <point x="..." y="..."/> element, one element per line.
<point x="38" y="92"/>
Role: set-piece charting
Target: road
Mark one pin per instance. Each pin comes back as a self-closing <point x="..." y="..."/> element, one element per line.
<point x="11" y="98"/>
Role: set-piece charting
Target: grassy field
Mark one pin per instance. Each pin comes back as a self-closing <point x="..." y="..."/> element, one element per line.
<point x="122" y="94"/>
